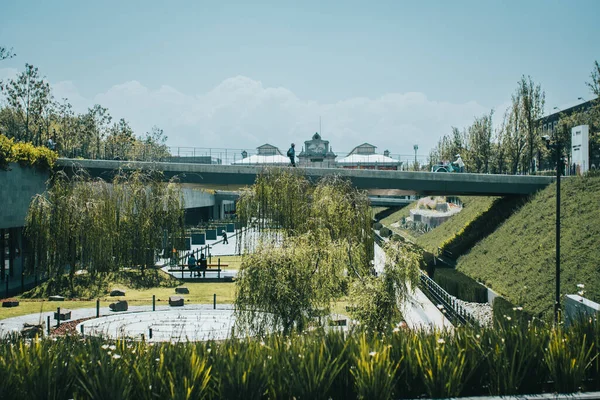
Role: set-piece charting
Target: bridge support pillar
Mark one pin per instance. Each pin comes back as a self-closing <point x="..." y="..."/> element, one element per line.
<point x="218" y="210"/>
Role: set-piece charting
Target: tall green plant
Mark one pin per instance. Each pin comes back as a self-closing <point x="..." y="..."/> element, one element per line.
<point x="374" y="372"/>
<point x="567" y="362"/>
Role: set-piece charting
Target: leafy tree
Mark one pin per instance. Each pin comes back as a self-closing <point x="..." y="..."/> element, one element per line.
<point x="480" y="144"/>
<point x="120" y="140"/>
<point x="532" y="102"/>
<point x="4" y="54"/>
<point x="516" y="140"/>
<point x="66" y="126"/>
<point x="499" y="149"/>
<point x="376" y="299"/>
<point x="594" y="84"/>
<point x="28" y="95"/>
<point x="316" y="246"/>
<point x="153" y="145"/>
<point x="100" y="227"/>
<point x="95" y="124"/>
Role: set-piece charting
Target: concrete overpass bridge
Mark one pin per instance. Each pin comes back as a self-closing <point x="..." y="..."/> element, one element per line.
<point x="233" y="177"/>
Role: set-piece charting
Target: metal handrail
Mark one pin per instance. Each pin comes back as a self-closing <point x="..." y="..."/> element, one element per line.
<point x="218" y="156"/>
<point x="455" y="313"/>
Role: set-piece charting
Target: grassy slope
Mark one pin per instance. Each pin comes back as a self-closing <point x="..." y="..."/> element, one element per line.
<point x="430" y="241"/>
<point x="473" y="207"/>
<point x="517" y="260"/>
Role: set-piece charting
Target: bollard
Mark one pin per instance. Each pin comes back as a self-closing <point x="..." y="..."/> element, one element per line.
<point x="97" y="308"/>
<point x="214" y="301"/>
<point x="58" y="317"/>
<point x="219" y="268"/>
<point x="153" y="303"/>
<point x="149" y="333"/>
<point x="48" y="325"/>
<point x="81" y="328"/>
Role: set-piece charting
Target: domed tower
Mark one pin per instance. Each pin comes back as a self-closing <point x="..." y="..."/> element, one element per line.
<point x="317" y="153"/>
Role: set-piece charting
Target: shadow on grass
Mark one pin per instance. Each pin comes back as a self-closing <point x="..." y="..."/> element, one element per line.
<point x="88" y="286"/>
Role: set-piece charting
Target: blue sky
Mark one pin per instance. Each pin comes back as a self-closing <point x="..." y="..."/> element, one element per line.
<point x="240" y="74"/>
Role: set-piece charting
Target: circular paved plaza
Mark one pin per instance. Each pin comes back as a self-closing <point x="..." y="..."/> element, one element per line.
<point x="165" y="325"/>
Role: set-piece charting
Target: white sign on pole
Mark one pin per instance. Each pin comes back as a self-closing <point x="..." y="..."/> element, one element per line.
<point x="580" y="153"/>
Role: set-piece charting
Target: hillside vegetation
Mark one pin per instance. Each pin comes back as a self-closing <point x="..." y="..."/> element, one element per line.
<point x="517" y="260"/>
<point x="480" y="216"/>
<point x="509" y="243"/>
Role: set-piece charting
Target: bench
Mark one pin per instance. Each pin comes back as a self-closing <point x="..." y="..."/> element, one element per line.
<point x="197" y="270"/>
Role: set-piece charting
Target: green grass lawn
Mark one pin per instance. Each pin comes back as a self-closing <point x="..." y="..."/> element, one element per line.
<point x="139" y="290"/>
<point x="200" y="293"/>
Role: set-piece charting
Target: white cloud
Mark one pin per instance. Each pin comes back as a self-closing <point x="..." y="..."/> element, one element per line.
<point x="240" y="113"/>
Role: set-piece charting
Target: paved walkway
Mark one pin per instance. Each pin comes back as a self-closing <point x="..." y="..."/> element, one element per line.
<point x="15" y="324"/>
<point x="418" y="311"/>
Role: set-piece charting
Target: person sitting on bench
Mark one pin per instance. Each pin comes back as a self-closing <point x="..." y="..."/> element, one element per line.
<point x="202" y="264"/>
<point x="191" y="262"/>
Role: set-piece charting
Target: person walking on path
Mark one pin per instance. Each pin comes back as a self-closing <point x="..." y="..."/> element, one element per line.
<point x="224" y="234"/>
<point x="291" y="153"/>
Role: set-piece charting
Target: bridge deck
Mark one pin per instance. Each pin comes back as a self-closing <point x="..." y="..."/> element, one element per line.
<point x="424" y="183"/>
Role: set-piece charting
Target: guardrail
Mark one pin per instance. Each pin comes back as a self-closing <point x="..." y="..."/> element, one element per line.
<point x="456" y="314"/>
<point x="221" y="156"/>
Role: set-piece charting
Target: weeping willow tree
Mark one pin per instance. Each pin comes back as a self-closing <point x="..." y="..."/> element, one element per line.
<point x="315" y="246"/>
<point x="81" y="223"/>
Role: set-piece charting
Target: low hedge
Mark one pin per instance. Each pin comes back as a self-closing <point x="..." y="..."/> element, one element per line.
<point x="458" y="284"/>
<point x="26" y="154"/>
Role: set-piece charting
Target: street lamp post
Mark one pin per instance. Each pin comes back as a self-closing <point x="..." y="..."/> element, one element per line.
<point x="556" y="145"/>
<point x="416" y="147"/>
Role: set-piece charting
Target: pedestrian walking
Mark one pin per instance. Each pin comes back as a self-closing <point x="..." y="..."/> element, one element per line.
<point x="291" y="153"/>
<point x="225" y="241"/>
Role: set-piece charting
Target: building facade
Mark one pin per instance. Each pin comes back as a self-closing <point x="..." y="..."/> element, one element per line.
<point x="317" y="153"/>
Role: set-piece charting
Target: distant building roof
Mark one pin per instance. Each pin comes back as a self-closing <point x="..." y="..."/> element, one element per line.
<point x="268" y="149"/>
<point x="274" y="159"/>
<point x="368" y="159"/>
<point x="365" y="148"/>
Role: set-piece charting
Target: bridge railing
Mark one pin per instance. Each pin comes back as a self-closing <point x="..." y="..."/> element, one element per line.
<point x="231" y="156"/>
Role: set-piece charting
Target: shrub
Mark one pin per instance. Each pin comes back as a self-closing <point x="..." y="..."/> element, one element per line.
<point x="26" y="154"/>
<point x="385" y="232"/>
<point x="6" y="145"/>
<point x="458" y="284"/>
<point x="504" y="312"/>
<point x="377" y="226"/>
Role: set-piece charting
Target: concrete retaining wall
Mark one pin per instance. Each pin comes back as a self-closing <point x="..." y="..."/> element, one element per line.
<point x="17" y="188"/>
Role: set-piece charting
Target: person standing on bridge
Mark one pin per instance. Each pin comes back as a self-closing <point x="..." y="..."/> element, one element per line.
<point x="459" y="163"/>
<point x="291" y="153"/>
